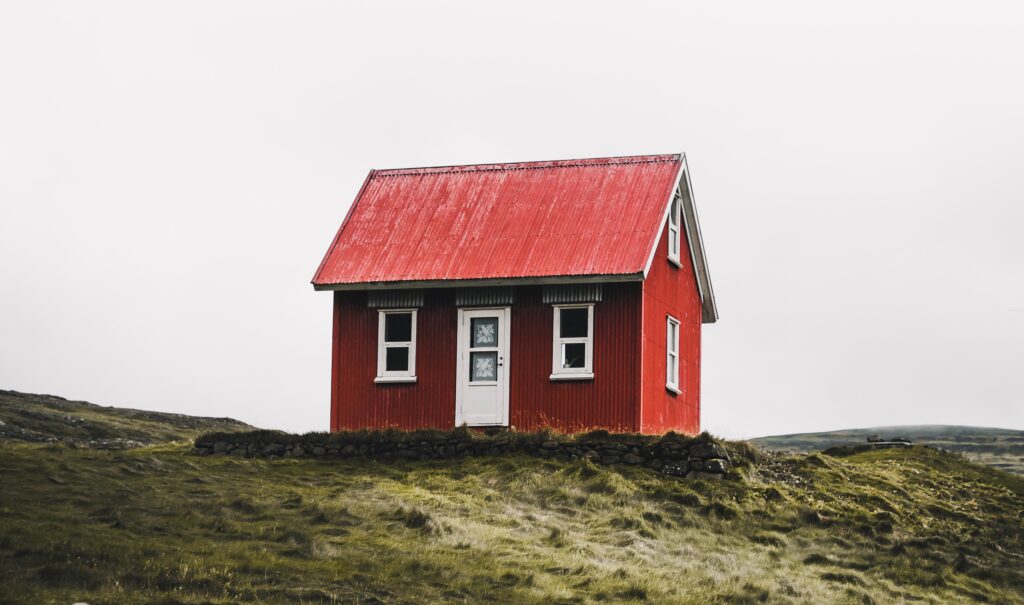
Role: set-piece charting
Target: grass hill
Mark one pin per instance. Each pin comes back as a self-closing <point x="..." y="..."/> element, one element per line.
<point x="1000" y="448"/>
<point x="50" y="419"/>
<point x="159" y="524"/>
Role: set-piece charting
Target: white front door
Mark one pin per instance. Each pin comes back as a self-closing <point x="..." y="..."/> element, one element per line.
<point x="481" y="397"/>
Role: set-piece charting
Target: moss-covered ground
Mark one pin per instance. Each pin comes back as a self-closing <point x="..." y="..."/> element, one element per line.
<point x="159" y="524"/>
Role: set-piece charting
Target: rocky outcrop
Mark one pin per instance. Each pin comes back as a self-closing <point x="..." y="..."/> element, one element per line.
<point x="672" y="454"/>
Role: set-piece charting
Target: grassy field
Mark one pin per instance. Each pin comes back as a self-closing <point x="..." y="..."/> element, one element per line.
<point x="1000" y="448"/>
<point x="159" y="524"/>
<point x="86" y="517"/>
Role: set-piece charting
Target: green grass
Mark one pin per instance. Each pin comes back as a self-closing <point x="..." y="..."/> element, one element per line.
<point x="158" y="524"/>
<point x="999" y="448"/>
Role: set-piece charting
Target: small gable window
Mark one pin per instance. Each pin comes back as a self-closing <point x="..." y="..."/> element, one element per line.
<point x="396" y="346"/>
<point x="674" y="222"/>
<point x="573" y="342"/>
<point x="672" y="355"/>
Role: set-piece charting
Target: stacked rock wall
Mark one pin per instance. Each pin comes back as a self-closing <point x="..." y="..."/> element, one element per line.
<point x="672" y="454"/>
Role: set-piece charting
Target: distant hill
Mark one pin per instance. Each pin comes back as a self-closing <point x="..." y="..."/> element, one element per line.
<point x="1000" y="448"/>
<point x="50" y="419"/>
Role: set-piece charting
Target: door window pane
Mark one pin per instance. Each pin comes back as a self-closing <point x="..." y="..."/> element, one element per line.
<point x="574" y="355"/>
<point x="484" y="332"/>
<point x="397" y="359"/>
<point x="398" y="327"/>
<point x="483" y="366"/>
<point x="573" y="323"/>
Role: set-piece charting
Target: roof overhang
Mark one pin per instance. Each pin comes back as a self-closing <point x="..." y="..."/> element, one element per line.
<point x="470" y="283"/>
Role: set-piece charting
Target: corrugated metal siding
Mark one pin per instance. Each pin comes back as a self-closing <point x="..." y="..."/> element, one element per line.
<point x="428" y="403"/>
<point x="671" y="290"/>
<point x="576" y="293"/>
<point x="610" y="400"/>
<point x="573" y="217"/>
<point x="394" y="299"/>
<point x="480" y="297"/>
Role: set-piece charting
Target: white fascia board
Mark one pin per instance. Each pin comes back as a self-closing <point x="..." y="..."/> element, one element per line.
<point x="696" y="244"/>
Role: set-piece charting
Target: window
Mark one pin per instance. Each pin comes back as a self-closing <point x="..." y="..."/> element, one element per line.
<point x="674" y="220"/>
<point x="573" y="342"/>
<point x="672" y="355"/>
<point x="483" y="349"/>
<point x="396" y="346"/>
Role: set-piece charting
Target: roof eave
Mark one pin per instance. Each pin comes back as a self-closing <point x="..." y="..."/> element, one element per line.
<point x="470" y="283"/>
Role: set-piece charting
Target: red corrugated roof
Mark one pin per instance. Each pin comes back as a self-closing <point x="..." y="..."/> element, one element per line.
<point x="491" y="221"/>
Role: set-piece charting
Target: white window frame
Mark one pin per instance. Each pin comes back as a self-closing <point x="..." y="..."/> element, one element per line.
<point x="557" y="371"/>
<point x="675" y="221"/>
<point x="383" y="375"/>
<point x="672" y="355"/>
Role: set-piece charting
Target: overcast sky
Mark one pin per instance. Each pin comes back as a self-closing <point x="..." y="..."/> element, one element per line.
<point x="172" y="173"/>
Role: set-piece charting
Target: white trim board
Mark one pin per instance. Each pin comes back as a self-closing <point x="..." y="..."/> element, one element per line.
<point x="710" y="307"/>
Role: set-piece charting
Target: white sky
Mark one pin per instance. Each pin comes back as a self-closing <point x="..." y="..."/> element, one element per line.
<point x="171" y="174"/>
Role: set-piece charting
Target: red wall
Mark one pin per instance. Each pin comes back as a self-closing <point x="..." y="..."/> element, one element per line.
<point x="671" y="290"/>
<point x="357" y="402"/>
<point x="608" y="401"/>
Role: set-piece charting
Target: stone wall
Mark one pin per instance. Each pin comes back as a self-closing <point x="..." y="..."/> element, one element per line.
<point x="672" y="454"/>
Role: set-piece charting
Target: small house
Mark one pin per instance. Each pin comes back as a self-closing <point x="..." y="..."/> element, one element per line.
<point x="565" y="294"/>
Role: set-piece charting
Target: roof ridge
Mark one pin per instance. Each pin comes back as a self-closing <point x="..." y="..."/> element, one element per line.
<point x="534" y="165"/>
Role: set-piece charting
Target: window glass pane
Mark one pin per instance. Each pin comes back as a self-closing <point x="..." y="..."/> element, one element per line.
<point x="673" y="215"/>
<point x="396" y="359"/>
<point x="574" y="355"/>
<point x="574" y="323"/>
<point x="397" y="327"/>
<point x="483" y="366"/>
<point x="483" y="332"/>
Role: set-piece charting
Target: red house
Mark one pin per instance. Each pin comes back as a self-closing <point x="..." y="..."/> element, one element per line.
<point x="567" y="294"/>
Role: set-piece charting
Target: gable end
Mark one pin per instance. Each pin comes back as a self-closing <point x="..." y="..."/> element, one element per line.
<point x="694" y="241"/>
